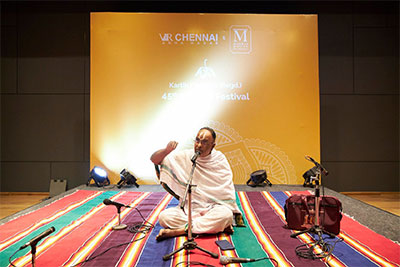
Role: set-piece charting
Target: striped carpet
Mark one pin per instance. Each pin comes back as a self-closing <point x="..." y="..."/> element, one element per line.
<point x="83" y="235"/>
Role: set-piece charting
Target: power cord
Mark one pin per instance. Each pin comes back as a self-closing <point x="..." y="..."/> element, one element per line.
<point x="144" y="227"/>
<point x="306" y="250"/>
<point x="268" y="258"/>
<point x="188" y="263"/>
<point x="9" y="259"/>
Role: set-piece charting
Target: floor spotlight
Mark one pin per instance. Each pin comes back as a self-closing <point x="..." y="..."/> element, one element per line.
<point x="99" y="176"/>
<point x="127" y="178"/>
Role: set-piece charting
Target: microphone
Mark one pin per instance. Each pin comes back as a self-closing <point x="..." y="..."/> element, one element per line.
<point x="317" y="164"/>
<point x="36" y="239"/>
<point x="118" y="205"/>
<point x="226" y="260"/>
<point x="195" y="156"/>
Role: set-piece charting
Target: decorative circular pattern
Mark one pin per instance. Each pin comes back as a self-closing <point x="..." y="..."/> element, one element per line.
<point x="248" y="155"/>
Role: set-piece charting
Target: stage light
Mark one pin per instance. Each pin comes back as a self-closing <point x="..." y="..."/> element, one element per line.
<point x="310" y="176"/>
<point x="99" y="176"/>
<point x="127" y="178"/>
<point x="258" y="178"/>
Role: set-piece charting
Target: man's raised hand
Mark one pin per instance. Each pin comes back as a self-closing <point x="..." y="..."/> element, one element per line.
<point x="171" y="146"/>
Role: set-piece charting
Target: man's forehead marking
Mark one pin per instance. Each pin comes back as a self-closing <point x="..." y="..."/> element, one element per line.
<point x="203" y="134"/>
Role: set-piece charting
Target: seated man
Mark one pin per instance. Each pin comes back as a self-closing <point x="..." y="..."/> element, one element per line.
<point x="213" y="196"/>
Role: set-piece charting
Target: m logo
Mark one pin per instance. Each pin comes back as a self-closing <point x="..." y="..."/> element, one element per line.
<point x="240" y="34"/>
<point x="240" y="39"/>
<point x="167" y="37"/>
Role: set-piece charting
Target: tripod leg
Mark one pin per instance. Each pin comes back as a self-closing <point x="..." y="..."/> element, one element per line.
<point x="311" y="230"/>
<point x="168" y="256"/>
<point x="214" y="255"/>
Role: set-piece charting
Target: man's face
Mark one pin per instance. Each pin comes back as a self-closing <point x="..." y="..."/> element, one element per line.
<point x="204" y="142"/>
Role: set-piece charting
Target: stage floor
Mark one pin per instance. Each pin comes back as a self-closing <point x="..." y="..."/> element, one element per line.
<point x="83" y="230"/>
<point x="378" y="220"/>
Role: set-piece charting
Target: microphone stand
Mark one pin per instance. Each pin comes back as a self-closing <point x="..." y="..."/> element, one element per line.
<point x="33" y="252"/>
<point x="190" y="244"/>
<point x="316" y="228"/>
<point x="119" y="226"/>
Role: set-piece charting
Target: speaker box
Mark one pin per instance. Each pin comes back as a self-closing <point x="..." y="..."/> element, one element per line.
<point x="57" y="186"/>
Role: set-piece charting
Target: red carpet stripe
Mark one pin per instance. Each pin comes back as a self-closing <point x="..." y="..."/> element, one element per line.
<point x="11" y="228"/>
<point x="88" y="247"/>
<point x="381" y="245"/>
<point x="206" y="242"/>
<point x="71" y="244"/>
<point x="366" y="251"/>
<point x="78" y="235"/>
<point x="61" y="211"/>
<point x="53" y="239"/>
<point x="262" y="237"/>
<point x="135" y="249"/>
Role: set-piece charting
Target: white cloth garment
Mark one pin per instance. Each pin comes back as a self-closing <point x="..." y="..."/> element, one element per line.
<point x="213" y="193"/>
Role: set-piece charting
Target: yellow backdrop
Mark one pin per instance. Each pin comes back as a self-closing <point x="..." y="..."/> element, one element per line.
<point x="161" y="77"/>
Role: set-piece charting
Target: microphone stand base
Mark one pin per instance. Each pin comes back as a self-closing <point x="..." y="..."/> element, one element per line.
<point x="189" y="245"/>
<point x="308" y="251"/>
<point x="119" y="227"/>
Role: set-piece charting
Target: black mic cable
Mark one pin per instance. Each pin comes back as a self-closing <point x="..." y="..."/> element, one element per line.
<point x="224" y="260"/>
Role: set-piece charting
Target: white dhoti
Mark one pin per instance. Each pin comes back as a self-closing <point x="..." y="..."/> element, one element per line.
<point x="213" y="221"/>
<point x="213" y="193"/>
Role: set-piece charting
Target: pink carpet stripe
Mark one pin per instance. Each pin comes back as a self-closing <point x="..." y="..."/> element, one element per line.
<point x="60" y="211"/>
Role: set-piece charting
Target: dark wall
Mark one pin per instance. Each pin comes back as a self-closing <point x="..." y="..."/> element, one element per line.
<point x="45" y="88"/>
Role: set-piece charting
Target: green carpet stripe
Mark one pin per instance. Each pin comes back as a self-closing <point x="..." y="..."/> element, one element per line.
<point x="246" y="243"/>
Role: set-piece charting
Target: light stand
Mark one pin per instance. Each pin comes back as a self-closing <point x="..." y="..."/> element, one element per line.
<point x="119" y="226"/>
<point x="190" y="244"/>
<point x="308" y="250"/>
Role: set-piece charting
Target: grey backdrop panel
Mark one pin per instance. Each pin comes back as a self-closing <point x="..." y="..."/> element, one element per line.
<point x="360" y="128"/>
<point x="42" y="127"/>
<point x="25" y="176"/>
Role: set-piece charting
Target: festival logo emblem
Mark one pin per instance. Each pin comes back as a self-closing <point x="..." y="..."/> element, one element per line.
<point x="240" y="39"/>
<point x="205" y="72"/>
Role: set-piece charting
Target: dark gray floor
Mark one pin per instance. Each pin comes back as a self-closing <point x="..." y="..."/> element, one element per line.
<point x="380" y="221"/>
